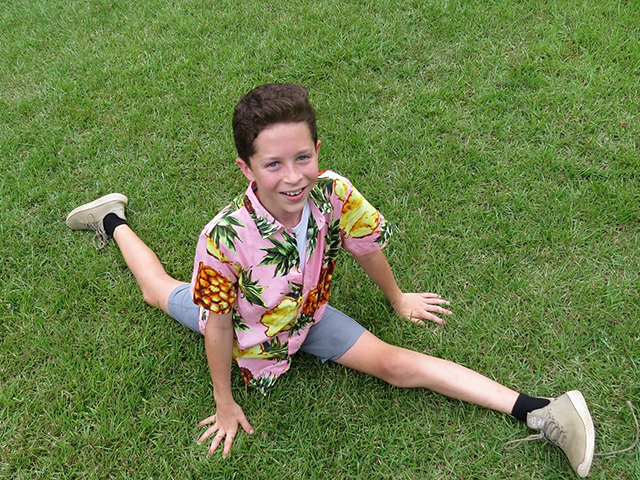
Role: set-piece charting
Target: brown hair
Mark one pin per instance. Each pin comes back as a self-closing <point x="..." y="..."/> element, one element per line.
<point x="267" y="105"/>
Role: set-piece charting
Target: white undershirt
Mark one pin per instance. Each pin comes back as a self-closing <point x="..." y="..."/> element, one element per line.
<point x="300" y="231"/>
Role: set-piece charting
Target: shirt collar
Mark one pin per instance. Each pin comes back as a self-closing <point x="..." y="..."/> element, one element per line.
<point x="267" y="224"/>
<point x="318" y="210"/>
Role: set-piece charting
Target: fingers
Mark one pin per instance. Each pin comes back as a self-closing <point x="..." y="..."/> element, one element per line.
<point x="226" y="435"/>
<point x="437" y="320"/>
<point x="207" y="421"/>
<point x="227" y="445"/>
<point x="432" y="304"/>
<point x="430" y="295"/>
<point x="246" y="425"/>
<point x="418" y="320"/>
<point x="429" y="308"/>
<point x="207" y="433"/>
<point x="428" y="315"/>
<point x="437" y="309"/>
<point x="217" y="440"/>
<point x="433" y="299"/>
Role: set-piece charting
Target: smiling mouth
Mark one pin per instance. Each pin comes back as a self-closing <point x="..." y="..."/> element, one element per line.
<point x="293" y="194"/>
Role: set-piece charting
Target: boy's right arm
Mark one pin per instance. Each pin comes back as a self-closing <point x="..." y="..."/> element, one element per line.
<point x="218" y="337"/>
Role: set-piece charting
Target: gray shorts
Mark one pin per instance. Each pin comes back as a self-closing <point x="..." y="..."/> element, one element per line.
<point x="328" y="339"/>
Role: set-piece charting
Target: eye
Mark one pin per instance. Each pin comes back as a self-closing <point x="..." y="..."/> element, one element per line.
<point x="272" y="165"/>
<point x="303" y="158"/>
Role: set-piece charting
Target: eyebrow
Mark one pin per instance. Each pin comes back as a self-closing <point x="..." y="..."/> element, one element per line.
<point x="297" y="154"/>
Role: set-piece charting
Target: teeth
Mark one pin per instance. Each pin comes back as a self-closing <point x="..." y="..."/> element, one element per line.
<point x="293" y="194"/>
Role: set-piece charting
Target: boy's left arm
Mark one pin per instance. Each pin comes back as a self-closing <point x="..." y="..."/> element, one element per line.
<point x="413" y="306"/>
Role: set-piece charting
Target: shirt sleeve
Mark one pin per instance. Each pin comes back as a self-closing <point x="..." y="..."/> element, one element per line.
<point x="214" y="282"/>
<point x="362" y="227"/>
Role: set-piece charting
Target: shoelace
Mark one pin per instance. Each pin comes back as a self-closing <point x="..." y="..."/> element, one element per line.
<point x="100" y="238"/>
<point x="530" y="438"/>
<point x="554" y="430"/>
<point x="551" y="432"/>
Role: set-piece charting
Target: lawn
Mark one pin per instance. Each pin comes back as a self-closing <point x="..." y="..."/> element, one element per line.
<point x="500" y="138"/>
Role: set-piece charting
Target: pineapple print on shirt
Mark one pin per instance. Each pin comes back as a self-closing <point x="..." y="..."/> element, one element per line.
<point x="358" y="218"/>
<point x="284" y="255"/>
<point x="213" y="291"/>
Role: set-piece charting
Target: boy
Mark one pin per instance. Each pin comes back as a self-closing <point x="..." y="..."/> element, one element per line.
<point x="263" y="269"/>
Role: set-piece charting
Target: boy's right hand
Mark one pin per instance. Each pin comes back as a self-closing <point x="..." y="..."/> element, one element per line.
<point x="225" y="422"/>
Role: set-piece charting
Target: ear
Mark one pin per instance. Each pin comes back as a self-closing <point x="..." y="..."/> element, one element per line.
<point x="318" y="147"/>
<point x="246" y="169"/>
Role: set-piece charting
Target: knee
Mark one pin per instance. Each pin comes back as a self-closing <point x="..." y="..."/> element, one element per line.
<point x="152" y="297"/>
<point x="149" y="298"/>
<point x="156" y="293"/>
<point x="397" y="367"/>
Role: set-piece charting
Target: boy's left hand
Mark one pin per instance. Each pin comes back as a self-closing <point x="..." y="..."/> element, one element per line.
<point x="421" y="306"/>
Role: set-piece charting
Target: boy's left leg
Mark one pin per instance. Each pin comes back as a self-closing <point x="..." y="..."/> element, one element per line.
<point x="405" y="368"/>
<point x="564" y="421"/>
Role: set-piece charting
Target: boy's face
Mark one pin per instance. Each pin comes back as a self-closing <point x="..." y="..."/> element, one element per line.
<point x="285" y="169"/>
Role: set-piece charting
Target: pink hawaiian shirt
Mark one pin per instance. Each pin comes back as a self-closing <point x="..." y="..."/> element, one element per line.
<point x="247" y="263"/>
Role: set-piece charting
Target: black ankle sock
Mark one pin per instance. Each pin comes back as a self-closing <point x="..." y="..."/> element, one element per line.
<point x="111" y="221"/>
<point x="525" y="404"/>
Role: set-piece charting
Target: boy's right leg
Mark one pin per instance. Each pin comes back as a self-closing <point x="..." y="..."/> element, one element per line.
<point x="154" y="282"/>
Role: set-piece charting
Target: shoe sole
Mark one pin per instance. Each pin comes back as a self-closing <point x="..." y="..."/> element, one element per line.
<point x="579" y="403"/>
<point x="112" y="197"/>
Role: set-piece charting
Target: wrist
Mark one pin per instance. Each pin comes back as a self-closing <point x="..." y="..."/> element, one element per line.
<point x="395" y="298"/>
<point x="224" y="397"/>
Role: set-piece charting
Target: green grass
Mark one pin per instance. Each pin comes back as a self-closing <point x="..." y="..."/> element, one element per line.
<point x="501" y="139"/>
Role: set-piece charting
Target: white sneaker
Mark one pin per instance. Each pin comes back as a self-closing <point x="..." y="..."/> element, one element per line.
<point x="90" y="216"/>
<point x="566" y="423"/>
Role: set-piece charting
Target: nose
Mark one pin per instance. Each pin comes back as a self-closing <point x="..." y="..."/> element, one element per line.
<point x="292" y="174"/>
